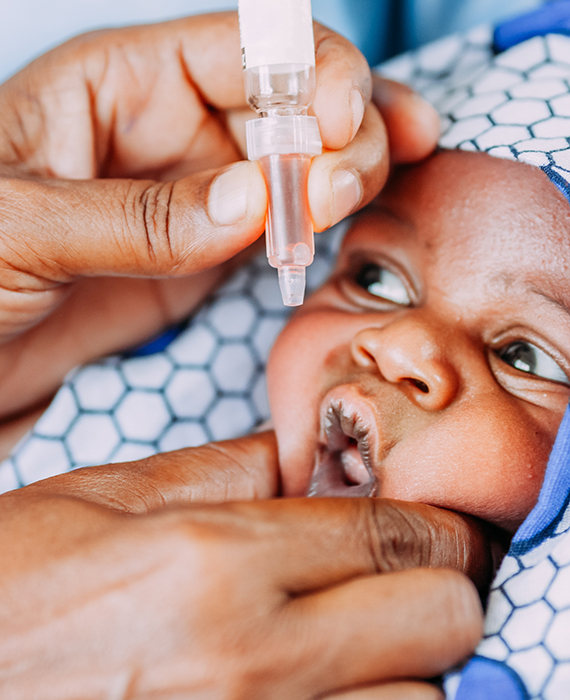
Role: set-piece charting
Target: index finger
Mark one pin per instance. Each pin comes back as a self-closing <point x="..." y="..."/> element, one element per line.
<point x="128" y="101"/>
<point x="302" y="545"/>
<point x="244" y="468"/>
<point x="343" y="90"/>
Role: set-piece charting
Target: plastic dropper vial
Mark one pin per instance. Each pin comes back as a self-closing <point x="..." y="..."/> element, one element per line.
<point x="278" y="54"/>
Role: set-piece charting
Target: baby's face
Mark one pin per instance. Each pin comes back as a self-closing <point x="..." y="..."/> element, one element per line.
<point x="434" y="365"/>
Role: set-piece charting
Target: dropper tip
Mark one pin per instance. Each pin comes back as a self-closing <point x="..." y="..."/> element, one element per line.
<point x="292" y="285"/>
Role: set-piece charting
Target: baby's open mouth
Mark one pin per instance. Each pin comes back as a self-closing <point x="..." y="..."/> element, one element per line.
<point x="342" y="462"/>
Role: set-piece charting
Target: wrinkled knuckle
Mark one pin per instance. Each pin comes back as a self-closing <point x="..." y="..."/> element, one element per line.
<point x="375" y="538"/>
<point x="394" y="542"/>
<point x="147" y="211"/>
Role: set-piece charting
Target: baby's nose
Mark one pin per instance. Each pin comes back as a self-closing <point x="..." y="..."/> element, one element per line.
<point x="415" y="356"/>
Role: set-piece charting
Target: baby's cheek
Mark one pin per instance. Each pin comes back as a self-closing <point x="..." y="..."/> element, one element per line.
<point x="483" y="462"/>
<point x="525" y="443"/>
<point x="311" y="354"/>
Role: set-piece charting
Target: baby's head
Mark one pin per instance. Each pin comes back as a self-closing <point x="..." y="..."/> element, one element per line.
<point x="434" y="365"/>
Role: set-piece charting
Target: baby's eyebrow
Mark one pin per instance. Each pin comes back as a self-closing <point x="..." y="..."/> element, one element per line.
<point x="552" y="298"/>
<point x="383" y="209"/>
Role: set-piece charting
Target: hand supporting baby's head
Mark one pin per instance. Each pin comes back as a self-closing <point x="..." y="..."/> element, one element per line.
<point x="434" y="365"/>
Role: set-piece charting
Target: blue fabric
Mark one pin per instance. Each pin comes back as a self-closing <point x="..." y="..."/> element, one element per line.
<point x="554" y="495"/>
<point x="562" y="185"/>
<point x="157" y="344"/>
<point x="552" y="18"/>
<point x="482" y="675"/>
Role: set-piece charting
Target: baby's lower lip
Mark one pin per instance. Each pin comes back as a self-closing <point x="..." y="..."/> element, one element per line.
<point x="341" y="474"/>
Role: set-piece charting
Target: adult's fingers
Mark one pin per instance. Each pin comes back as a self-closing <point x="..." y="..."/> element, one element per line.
<point x="132" y="101"/>
<point x="241" y="469"/>
<point x="403" y="690"/>
<point x="334" y="623"/>
<point x="399" y="127"/>
<point x="350" y="537"/>
<point x="56" y="230"/>
<point x="412" y="624"/>
<point x="343" y="88"/>
<point x="414" y="534"/>
<point x="127" y="102"/>
<point x="307" y="544"/>
<point x="198" y="583"/>
<point x="342" y="181"/>
<point x="412" y="123"/>
<point x="348" y="174"/>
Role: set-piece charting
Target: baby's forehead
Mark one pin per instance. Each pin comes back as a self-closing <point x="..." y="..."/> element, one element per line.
<point x="472" y="212"/>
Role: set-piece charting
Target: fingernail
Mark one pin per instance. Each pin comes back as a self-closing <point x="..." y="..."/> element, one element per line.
<point x="227" y="200"/>
<point x="347" y="193"/>
<point x="357" y="107"/>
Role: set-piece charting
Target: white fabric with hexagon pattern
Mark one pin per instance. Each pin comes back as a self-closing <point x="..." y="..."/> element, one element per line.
<point x="515" y="105"/>
<point x="207" y="384"/>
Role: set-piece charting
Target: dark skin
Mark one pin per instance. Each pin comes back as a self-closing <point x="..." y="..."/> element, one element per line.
<point x="130" y="577"/>
<point x="435" y="379"/>
<point x="139" y="579"/>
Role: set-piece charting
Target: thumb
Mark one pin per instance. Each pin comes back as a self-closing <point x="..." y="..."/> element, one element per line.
<point x="60" y="229"/>
<point x="242" y="469"/>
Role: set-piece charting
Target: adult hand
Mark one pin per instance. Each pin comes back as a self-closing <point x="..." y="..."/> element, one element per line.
<point x="114" y="155"/>
<point x="109" y="594"/>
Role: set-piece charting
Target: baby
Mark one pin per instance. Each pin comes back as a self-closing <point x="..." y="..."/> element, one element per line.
<point x="434" y="365"/>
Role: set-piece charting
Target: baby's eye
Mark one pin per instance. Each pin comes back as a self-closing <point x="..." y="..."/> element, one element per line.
<point x="382" y="283"/>
<point x="528" y="358"/>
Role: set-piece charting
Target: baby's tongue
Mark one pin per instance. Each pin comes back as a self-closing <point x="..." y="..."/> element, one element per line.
<point x="353" y="465"/>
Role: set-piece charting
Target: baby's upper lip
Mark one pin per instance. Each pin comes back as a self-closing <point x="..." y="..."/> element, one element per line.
<point x="348" y="415"/>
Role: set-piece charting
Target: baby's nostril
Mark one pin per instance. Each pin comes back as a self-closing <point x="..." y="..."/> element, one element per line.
<point x="422" y="386"/>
